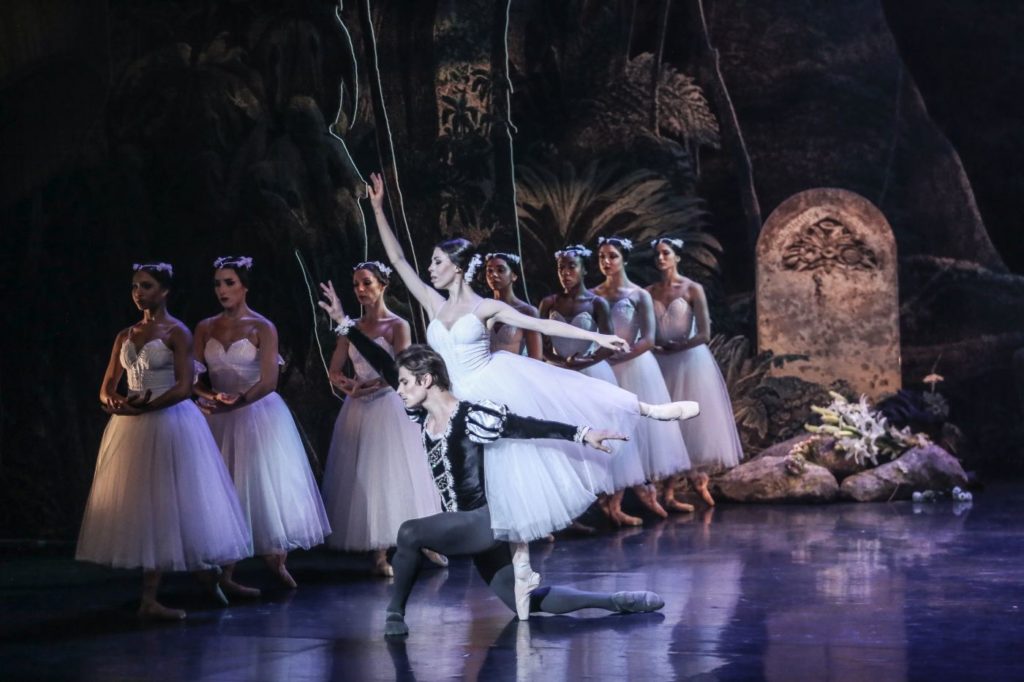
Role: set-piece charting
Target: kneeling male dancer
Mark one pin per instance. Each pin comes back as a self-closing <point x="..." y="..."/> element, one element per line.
<point x="454" y="434"/>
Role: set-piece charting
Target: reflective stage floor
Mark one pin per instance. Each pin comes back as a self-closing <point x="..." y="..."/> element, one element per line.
<point x="876" y="592"/>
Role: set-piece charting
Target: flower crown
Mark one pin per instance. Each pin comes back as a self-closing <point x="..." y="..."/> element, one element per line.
<point x="474" y="264"/>
<point x="233" y="262"/>
<point x="381" y="268"/>
<point x="678" y="243"/>
<point x="620" y="242"/>
<point x="510" y="257"/>
<point x="575" y="250"/>
<point x="164" y="267"/>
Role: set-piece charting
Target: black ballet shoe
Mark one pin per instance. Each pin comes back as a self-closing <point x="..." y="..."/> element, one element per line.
<point x="394" y="625"/>
<point x="637" y="602"/>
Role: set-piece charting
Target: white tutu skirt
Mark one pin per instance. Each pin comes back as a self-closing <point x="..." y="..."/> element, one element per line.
<point x="662" y="450"/>
<point x="377" y="475"/>
<point x="161" y="498"/>
<point x="276" y="488"/>
<point x="711" y="436"/>
<point x="625" y="468"/>
<point x="535" y="487"/>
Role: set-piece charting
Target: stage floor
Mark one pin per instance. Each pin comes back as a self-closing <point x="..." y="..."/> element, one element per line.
<point x="874" y="592"/>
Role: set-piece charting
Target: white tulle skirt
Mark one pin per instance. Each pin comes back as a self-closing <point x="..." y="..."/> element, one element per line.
<point x="535" y="487"/>
<point x="161" y="497"/>
<point x="377" y="475"/>
<point x="625" y="468"/>
<point x="662" y="450"/>
<point x="711" y="436"/>
<point x="277" y="491"/>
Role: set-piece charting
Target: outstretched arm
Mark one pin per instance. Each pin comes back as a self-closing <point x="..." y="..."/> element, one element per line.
<point x="506" y="314"/>
<point x="378" y="358"/>
<point x="487" y="422"/>
<point x="427" y="297"/>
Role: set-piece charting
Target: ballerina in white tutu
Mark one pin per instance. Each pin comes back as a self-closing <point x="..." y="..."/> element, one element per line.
<point x="501" y="271"/>
<point x="376" y="476"/>
<point x="254" y="428"/>
<point x="582" y="308"/>
<point x="662" y="450"/>
<point x="689" y="368"/>
<point x="161" y="498"/>
<point x="534" y="489"/>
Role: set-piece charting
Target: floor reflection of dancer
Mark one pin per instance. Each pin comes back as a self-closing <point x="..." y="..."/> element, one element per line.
<point x="454" y="434"/>
<point x="376" y="476"/>
<point x="161" y="498"/>
<point x="662" y="449"/>
<point x="254" y="428"/>
<point x="584" y="309"/>
<point x="690" y="369"/>
<point x="502" y="271"/>
<point x="540" y="489"/>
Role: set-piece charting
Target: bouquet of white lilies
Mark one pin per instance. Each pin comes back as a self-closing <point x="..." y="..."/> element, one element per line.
<point x="861" y="433"/>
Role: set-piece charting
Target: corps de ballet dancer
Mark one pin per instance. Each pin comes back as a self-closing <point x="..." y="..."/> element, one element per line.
<point x="376" y="476"/>
<point x="454" y="434"/>
<point x="161" y="497"/>
<point x="662" y="450"/>
<point x="690" y="369"/>
<point x="501" y="271"/>
<point x="254" y="428"/>
<point x="542" y="488"/>
<point x="582" y="308"/>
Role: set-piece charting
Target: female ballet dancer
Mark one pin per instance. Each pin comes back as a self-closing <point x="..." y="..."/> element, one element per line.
<point x="690" y="370"/>
<point x="501" y="270"/>
<point x="253" y="426"/>
<point x="581" y="308"/>
<point x="454" y="433"/>
<point x="662" y="449"/>
<point x="376" y="475"/>
<point x="161" y="498"/>
<point x="542" y="490"/>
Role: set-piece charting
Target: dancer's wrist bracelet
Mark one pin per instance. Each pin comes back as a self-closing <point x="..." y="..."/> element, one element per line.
<point x="581" y="433"/>
<point x="343" y="327"/>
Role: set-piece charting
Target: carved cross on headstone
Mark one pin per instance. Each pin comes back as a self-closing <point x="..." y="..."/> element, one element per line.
<point x="827" y="288"/>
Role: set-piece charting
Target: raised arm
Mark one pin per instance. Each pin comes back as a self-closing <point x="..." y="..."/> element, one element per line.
<point x="422" y="292"/>
<point x="506" y="314"/>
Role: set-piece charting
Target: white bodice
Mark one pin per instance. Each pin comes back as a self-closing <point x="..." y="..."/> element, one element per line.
<point x="363" y="370"/>
<point x="675" y="322"/>
<point x="234" y="369"/>
<point x="150" y="368"/>
<point x="466" y="347"/>
<point x="569" y="347"/>
<point x="624" y="320"/>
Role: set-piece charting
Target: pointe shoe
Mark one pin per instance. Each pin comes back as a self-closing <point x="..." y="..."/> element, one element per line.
<point x="637" y="602"/>
<point x="157" y="611"/>
<point x="548" y="538"/>
<point x="621" y="518"/>
<point x="236" y="590"/>
<point x="675" y="505"/>
<point x="210" y="580"/>
<point x="435" y="558"/>
<point x="285" y="577"/>
<point x="524" y="587"/>
<point x="582" y="528"/>
<point x="702" y="488"/>
<point x="394" y="625"/>
<point x="649" y="499"/>
<point x="667" y="412"/>
<point x="383" y="569"/>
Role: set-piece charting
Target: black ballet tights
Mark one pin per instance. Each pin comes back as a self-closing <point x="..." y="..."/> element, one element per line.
<point x="469" y="533"/>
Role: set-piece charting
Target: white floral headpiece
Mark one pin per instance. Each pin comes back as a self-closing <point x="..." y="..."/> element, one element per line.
<point x="381" y="268"/>
<point x="164" y="267"/>
<point x="678" y="243"/>
<point x="620" y="242"/>
<point x="510" y="257"/>
<point x="576" y="250"/>
<point x="474" y="264"/>
<point x="233" y="262"/>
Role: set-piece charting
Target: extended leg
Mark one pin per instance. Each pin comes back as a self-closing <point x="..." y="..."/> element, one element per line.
<point x="560" y="599"/>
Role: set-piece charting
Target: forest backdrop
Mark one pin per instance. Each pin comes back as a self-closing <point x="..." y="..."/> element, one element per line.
<point x="181" y="130"/>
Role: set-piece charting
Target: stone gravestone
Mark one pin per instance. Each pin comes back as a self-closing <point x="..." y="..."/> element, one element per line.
<point x="827" y="288"/>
